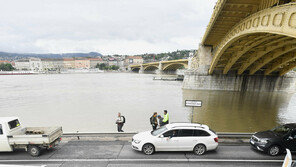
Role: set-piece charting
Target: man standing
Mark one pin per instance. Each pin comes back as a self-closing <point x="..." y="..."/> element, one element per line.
<point x="160" y="119"/>
<point x="120" y="122"/>
<point x="165" y="117"/>
<point x="153" y="121"/>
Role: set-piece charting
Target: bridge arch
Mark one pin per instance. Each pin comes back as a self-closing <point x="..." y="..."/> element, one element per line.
<point x="174" y="66"/>
<point x="264" y="41"/>
<point x="135" y="69"/>
<point x="150" y="68"/>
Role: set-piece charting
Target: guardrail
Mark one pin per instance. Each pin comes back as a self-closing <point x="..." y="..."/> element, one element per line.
<point x="228" y="135"/>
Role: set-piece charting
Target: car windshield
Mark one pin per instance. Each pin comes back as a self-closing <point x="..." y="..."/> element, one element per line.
<point x="159" y="131"/>
<point x="281" y="130"/>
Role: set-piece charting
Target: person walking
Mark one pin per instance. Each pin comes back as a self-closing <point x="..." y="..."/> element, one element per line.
<point x="153" y="120"/>
<point x="165" y="117"/>
<point x="160" y="120"/>
<point x="120" y="122"/>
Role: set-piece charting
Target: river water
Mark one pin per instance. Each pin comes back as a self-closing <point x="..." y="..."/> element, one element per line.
<point x="90" y="103"/>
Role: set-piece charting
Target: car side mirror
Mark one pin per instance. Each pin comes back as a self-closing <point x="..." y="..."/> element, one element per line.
<point x="161" y="136"/>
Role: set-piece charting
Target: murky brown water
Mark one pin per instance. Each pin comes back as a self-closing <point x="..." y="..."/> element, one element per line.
<point x="242" y="112"/>
<point x="90" y="102"/>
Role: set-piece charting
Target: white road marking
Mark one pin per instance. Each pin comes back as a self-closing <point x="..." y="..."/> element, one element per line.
<point x="144" y="160"/>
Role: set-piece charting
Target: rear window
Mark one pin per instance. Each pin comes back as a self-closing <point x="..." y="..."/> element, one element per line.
<point x="13" y="124"/>
<point x="201" y="133"/>
<point x="185" y="133"/>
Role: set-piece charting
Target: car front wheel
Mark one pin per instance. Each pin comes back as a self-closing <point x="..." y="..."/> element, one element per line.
<point x="199" y="149"/>
<point x="274" y="150"/>
<point x="148" y="149"/>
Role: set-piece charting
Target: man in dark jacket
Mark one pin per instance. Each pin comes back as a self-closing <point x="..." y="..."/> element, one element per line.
<point x="120" y="120"/>
<point x="160" y="121"/>
<point x="153" y="121"/>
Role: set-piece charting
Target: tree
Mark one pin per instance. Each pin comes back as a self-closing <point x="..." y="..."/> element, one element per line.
<point x="113" y="67"/>
<point x="6" y="67"/>
<point x="101" y="66"/>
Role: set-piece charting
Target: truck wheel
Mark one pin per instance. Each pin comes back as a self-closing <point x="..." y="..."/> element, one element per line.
<point x="34" y="151"/>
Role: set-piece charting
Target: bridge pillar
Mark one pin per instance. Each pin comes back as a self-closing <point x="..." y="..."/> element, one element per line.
<point x="129" y="69"/>
<point x="197" y="77"/>
<point x="141" y="71"/>
<point x="159" y="70"/>
<point x="201" y="61"/>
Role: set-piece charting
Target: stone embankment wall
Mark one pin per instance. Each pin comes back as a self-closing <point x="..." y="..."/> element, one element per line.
<point x="197" y="78"/>
<point x="195" y="81"/>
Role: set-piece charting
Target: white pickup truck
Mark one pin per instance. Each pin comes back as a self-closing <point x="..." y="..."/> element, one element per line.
<point x="32" y="139"/>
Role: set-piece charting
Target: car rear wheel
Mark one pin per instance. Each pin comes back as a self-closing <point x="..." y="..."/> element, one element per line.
<point x="148" y="149"/>
<point x="199" y="149"/>
<point x="274" y="150"/>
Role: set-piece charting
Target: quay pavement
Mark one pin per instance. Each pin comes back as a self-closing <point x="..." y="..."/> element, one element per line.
<point x="119" y="153"/>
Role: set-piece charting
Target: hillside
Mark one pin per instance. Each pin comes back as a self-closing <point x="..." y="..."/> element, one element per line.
<point x="16" y="56"/>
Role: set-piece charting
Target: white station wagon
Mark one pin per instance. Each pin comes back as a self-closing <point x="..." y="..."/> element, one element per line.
<point x="176" y="137"/>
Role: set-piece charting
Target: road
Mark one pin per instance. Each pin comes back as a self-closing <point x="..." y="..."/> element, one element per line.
<point x="119" y="153"/>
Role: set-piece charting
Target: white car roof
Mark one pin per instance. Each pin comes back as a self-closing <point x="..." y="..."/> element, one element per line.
<point x="7" y="119"/>
<point x="186" y="125"/>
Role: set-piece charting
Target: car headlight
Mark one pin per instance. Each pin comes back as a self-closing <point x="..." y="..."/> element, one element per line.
<point x="137" y="141"/>
<point x="263" y="141"/>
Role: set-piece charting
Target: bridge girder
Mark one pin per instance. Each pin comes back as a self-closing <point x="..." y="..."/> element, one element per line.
<point x="269" y="57"/>
<point x="280" y="62"/>
<point x="267" y="35"/>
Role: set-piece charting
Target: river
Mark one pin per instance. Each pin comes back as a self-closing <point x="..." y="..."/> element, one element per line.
<point x="90" y="103"/>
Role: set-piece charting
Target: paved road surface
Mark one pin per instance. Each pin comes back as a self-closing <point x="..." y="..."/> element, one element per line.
<point x="113" y="154"/>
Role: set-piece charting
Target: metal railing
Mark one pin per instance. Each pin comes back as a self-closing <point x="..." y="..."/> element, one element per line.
<point x="228" y="135"/>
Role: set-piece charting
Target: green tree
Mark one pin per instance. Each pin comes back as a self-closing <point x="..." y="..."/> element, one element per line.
<point x="114" y="67"/>
<point x="6" y="67"/>
<point x="101" y="66"/>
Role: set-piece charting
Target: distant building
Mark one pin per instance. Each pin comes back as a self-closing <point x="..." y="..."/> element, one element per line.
<point x="35" y="64"/>
<point x="52" y="64"/>
<point x="121" y="65"/>
<point x="82" y="63"/>
<point x="69" y="63"/>
<point x="112" y="63"/>
<point x="5" y="62"/>
<point x="131" y="60"/>
<point x="23" y="64"/>
<point x="95" y="61"/>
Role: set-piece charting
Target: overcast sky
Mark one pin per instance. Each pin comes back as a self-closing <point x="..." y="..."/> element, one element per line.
<point x="104" y="26"/>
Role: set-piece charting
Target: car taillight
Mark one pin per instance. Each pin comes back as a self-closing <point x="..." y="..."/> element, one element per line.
<point x="216" y="139"/>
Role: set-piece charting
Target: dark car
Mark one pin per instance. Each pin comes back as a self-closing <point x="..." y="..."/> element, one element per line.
<point x="276" y="140"/>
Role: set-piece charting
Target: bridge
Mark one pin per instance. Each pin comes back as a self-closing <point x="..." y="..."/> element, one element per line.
<point x="252" y="37"/>
<point x="162" y="66"/>
<point x="247" y="42"/>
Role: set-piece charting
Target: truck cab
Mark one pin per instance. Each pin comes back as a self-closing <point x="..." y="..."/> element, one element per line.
<point x="8" y="126"/>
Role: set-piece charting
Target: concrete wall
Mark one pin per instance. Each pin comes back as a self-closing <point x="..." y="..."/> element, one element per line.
<point x="195" y="81"/>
